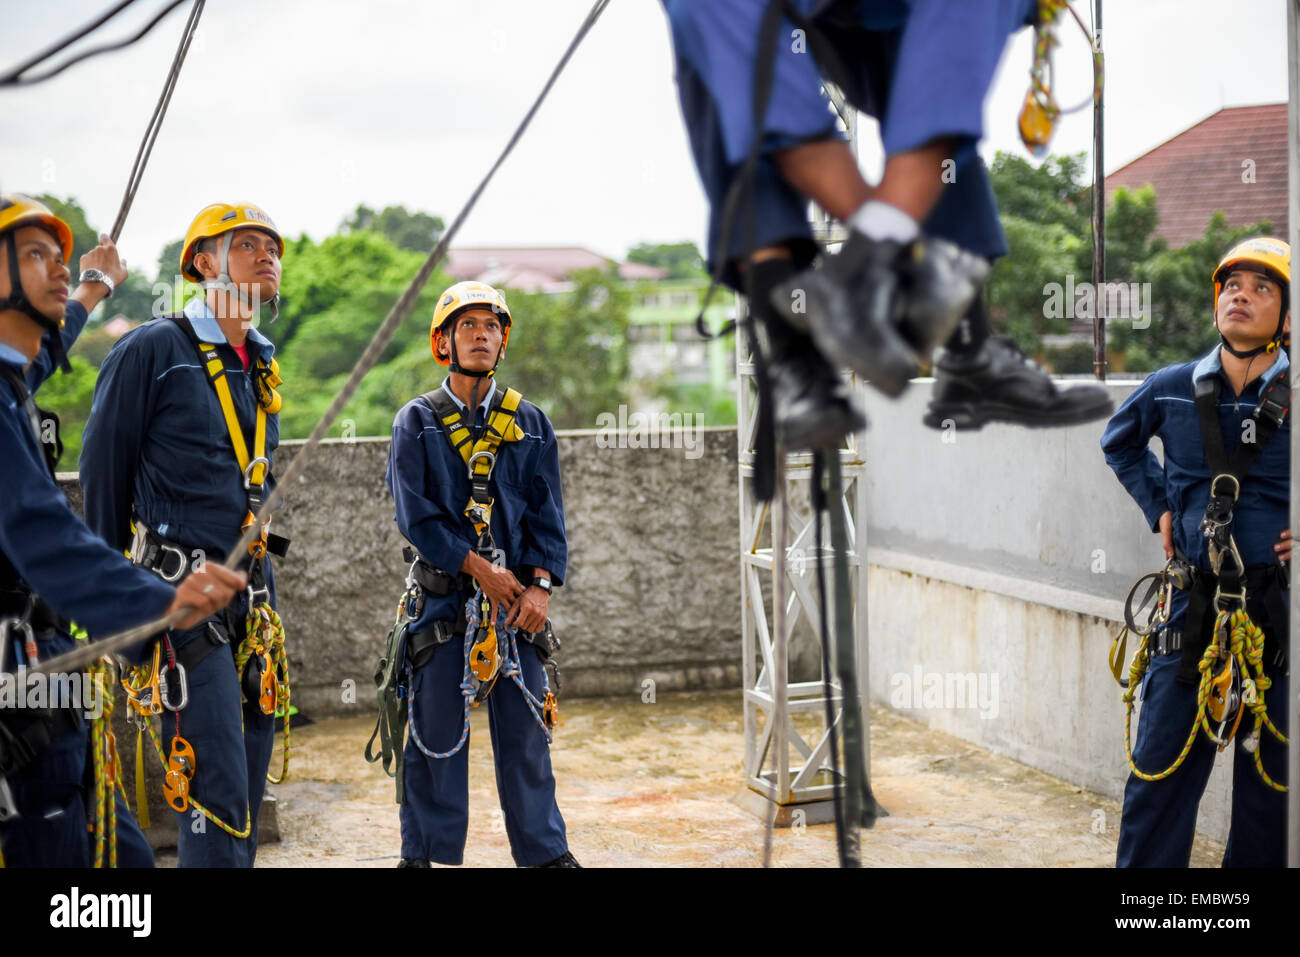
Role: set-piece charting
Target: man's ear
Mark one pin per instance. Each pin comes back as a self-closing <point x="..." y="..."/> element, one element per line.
<point x="1286" y="325"/>
<point x="206" y="263"/>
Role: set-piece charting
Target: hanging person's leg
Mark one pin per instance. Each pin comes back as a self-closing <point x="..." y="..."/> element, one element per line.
<point x="715" y="46"/>
<point x="928" y="84"/>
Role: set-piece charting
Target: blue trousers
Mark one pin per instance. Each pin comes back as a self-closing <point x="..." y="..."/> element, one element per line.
<point x="53" y="806"/>
<point x="1159" y="819"/>
<point x="435" y="816"/>
<point x="232" y="750"/>
<point x="922" y="72"/>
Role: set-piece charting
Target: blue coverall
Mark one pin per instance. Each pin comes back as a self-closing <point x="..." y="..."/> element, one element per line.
<point x="157" y="441"/>
<point x="1159" y="817"/>
<point x="921" y="67"/>
<point x="430" y="487"/>
<point x="44" y="543"/>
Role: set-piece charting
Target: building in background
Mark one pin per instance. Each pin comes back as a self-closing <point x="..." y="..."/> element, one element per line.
<point x="666" y="355"/>
<point x="1234" y="161"/>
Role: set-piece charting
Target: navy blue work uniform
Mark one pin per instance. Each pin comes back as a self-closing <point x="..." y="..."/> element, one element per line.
<point x="430" y="486"/>
<point x="157" y="442"/>
<point x="919" y="66"/>
<point x="1159" y="818"/>
<point x="43" y="543"/>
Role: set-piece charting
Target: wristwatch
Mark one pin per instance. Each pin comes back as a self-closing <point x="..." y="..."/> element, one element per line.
<point x="543" y="583"/>
<point x="97" y="275"/>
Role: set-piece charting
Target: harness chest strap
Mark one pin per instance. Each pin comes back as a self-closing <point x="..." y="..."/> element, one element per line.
<point x="479" y="455"/>
<point x="253" y="468"/>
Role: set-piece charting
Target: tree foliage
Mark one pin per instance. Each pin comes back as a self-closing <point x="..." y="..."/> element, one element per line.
<point x="1046" y="214"/>
<point x="406" y="230"/>
<point x="682" y="260"/>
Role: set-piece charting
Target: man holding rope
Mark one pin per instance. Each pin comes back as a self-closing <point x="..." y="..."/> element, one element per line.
<point x="52" y="567"/>
<point x="176" y="464"/>
<point x="1227" y="517"/>
<point x="478" y="494"/>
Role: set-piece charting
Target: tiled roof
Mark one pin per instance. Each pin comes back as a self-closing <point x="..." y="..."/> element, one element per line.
<point x="533" y="268"/>
<point x="1234" y="161"/>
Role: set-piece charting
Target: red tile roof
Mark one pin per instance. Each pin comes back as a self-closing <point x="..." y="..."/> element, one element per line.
<point x="1205" y="169"/>
<point x="536" y="268"/>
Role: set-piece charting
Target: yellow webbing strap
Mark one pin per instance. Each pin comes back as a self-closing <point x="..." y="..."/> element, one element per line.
<point x="217" y="373"/>
<point x="500" y="428"/>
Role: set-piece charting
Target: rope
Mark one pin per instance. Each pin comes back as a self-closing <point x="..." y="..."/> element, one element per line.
<point x="1246" y="648"/>
<point x="374" y="350"/>
<point x="1044" y="40"/>
<point x="510" y="667"/>
<point x="819" y="510"/>
<point x="248" y="815"/>
<point x="467" y="691"/>
<point x="105" y="766"/>
<point x="155" y="121"/>
<point x="15" y="78"/>
<point x="264" y="637"/>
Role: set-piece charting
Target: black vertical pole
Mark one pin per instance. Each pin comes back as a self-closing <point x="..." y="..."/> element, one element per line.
<point x="1098" y="218"/>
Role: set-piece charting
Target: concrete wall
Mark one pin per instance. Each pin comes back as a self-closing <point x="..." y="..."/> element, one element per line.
<point x="652" y="590"/>
<point x="1006" y="554"/>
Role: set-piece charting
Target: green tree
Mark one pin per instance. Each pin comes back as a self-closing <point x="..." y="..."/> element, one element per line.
<point x="682" y="260"/>
<point x="84" y="236"/>
<point x="68" y="395"/>
<point x="1182" y="299"/>
<point x="406" y="230"/>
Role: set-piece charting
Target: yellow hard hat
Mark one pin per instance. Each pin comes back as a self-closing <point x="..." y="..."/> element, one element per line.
<point x="17" y="210"/>
<point x="1267" y="255"/>
<point x="455" y="300"/>
<point x="1271" y="256"/>
<point x="220" y="218"/>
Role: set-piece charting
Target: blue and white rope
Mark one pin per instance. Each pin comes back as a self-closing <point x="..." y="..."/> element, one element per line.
<point x="510" y="667"/>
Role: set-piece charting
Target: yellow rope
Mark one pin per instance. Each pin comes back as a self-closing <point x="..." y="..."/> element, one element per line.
<point x="264" y="636"/>
<point x="248" y="816"/>
<point x="105" y="765"/>
<point x="1246" y="646"/>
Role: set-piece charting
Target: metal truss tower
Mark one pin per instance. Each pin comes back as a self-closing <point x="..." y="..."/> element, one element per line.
<point x="787" y="739"/>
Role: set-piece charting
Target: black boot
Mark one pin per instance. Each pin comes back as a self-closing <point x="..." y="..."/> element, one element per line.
<point x="811" y="404"/>
<point x="999" y="384"/>
<point x="413" y="862"/>
<point x="942" y="281"/>
<point x="876" y="303"/>
<point x="564" y="860"/>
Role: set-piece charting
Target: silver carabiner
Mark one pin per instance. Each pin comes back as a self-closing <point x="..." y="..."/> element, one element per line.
<point x="23" y="626"/>
<point x="482" y="453"/>
<point x="8" y="806"/>
<point x="248" y="472"/>
<point x="164" y="691"/>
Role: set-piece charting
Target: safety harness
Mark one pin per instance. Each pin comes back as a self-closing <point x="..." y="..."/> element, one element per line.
<point x="487" y="655"/>
<point x="26" y="621"/>
<point x="260" y="660"/>
<point x="1226" y="659"/>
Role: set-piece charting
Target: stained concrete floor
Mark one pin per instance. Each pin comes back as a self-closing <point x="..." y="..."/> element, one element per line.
<point x="655" y="785"/>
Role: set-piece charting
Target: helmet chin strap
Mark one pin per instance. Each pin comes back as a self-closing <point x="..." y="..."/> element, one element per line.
<point x="17" y="299"/>
<point x="1270" y="347"/>
<point x="223" y="282"/>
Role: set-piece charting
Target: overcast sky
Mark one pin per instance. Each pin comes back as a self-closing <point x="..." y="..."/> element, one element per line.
<point x="311" y="108"/>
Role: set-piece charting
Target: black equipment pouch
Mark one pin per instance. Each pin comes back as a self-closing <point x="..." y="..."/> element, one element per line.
<point x="544" y="641"/>
<point x="433" y="581"/>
